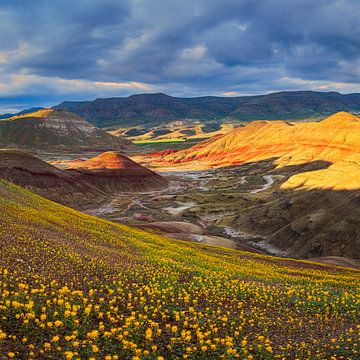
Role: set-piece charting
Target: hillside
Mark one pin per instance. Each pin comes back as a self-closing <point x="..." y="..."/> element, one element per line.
<point x="113" y="172"/>
<point x="150" y="109"/>
<point x="22" y="112"/>
<point x="48" y="129"/>
<point x="85" y="185"/>
<point x="46" y="180"/>
<point x="311" y="208"/>
<point x="329" y="140"/>
<point x="74" y="286"/>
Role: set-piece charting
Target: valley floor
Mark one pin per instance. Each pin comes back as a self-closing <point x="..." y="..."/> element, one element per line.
<point x="205" y="206"/>
<point x="195" y="207"/>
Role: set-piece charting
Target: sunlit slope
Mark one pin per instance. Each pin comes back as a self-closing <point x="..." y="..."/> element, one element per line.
<point x="342" y="175"/>
<point x="73" y="286"/>
<point x="333" y="140"/>
<point x="185" y="132"/>
<point x="327" y="140"/>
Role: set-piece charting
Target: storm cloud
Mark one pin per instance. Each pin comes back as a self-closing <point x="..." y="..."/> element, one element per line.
<point x="56" y="50"/>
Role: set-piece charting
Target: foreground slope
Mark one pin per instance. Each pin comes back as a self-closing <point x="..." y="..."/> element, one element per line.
<point x="74" y="286"/>
<point x="49" y="129"/>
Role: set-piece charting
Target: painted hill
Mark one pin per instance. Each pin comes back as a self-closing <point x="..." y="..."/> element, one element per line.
<point x="313" y="210"/>
<point x="329" y="140"/>
<point x="150" y="109"/>
<point x="185" y="132"/>
<point x="112" y="171"/>
<point x="46" y="180"/>
<point x="50" y="129"/>
<point x="74" y="285"/>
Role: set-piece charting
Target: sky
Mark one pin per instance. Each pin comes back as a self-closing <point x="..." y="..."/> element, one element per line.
<point x="52" y="50"/>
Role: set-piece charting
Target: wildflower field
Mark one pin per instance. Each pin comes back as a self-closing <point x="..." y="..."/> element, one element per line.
<point x="76" y="287"/>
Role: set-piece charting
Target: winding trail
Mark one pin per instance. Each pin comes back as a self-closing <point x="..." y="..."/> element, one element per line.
<point x="179" y="209"/>
<point x="269" y="181"/>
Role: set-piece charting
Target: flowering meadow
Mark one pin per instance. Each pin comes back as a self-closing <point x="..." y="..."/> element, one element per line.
<point x="76" y="287"/>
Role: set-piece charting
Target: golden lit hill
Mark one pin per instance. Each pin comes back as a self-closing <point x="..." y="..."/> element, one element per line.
<point x="74" y="286"/>
<point x="312" y="208"/>
<point x="332" y="140"/>
<point x="50" y="129"/>
<point x="327" y="140"/>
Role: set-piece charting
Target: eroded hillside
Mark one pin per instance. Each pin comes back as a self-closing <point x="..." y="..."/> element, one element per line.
<point x="56" y="130"/>
<point x="309" y="203"/>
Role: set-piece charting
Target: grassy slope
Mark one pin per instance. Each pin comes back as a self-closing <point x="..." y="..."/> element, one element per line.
<point x="73" y="286"/>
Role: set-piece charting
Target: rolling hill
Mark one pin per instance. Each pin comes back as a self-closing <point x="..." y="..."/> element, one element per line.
<point x="49" y="129"/>
<point x="151" y="109"/>
<point x="114" y="172"/>
<point x="174" y="133"/>
<point x="86" y="184"/>
<point x="74" y="286"/>
<point x="28" y="171"/>
<point x="330" y="140"/>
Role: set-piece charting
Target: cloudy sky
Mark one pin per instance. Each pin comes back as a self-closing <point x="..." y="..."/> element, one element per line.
<point x="82" y="49"/>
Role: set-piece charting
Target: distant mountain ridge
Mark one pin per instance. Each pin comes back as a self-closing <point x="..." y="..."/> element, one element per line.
<point x="22" y="112"/>
<point x="150" y="109"/>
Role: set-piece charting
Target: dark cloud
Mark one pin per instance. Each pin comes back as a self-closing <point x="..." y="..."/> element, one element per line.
<point x="74" y="49"/>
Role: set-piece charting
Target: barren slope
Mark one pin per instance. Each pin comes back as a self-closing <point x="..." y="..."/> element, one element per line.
<point x="28" y="171"/>
<point x="49" y="129"/>
<point x="112" y="171"/>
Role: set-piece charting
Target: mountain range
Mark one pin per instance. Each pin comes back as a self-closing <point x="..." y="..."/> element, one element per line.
<point x="154" y="109"/>
<point x="22" y="112"/>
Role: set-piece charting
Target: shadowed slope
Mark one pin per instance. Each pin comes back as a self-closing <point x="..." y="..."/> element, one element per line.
<point x="113" y="171"/>
<point x="28" y="171"/>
